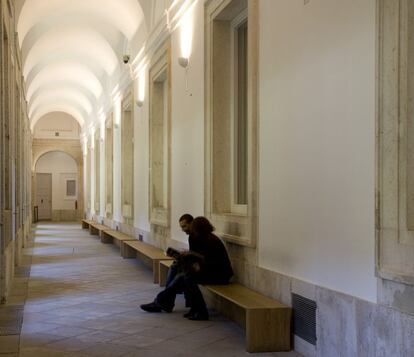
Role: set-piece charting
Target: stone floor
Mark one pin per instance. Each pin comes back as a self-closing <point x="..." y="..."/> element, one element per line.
<point x="83" y="298"/>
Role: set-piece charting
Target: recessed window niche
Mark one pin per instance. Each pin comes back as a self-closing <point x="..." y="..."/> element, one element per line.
<point x="88" y="170"/>
<point x="97" y="171"/>
<point x="127" y="163"/>
<point x="159" y="129"/>
<point x="109" y="144"/>
<point x="231" y="118"/>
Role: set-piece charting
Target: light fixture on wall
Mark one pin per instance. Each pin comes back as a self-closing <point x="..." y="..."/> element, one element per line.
<point x="186" y="39"/>
<point x="183" y="61"/>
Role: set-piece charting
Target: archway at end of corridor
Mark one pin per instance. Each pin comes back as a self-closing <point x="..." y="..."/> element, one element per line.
<point x="56" y="187"/>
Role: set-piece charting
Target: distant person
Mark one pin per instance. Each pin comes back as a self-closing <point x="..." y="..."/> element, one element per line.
<point x="206" y="263"/>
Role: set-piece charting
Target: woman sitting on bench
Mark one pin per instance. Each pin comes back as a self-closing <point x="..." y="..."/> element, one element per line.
<point x="207" y="263"/>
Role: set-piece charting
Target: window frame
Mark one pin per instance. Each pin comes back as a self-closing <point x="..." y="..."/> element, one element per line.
<point x="160" y="66"/>
<point x="236" y="226"/>
<point x="74" y="197"/>
<point x="236" y="23"/>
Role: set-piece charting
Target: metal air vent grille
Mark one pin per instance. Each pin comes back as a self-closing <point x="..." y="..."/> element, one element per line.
<point x="304" y="318"/>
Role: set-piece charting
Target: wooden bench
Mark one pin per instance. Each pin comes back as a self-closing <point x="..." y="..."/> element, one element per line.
<point x="109" y="236"/>
<point x="148" y="254"/>
<point x="96" y="228"/>
<point x="267" y="322"/>
<point x="86" y="223"/>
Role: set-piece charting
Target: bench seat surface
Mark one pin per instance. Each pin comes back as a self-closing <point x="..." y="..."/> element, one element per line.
<point x="99" y="227"/>
<point x="118" y="235"/>
<point x="244" y="297"/>
<point x="148" y="250"/>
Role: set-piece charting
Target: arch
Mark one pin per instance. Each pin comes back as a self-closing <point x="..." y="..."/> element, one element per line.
<point x="47" y="151"/>
<point x="73" y="152"/>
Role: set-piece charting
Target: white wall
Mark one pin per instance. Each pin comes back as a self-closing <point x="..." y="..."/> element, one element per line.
<point x="317" y="148"/>
<point x="187" y="132"/>
<point x="64" y="124"/>
<point x="61" y="166"/>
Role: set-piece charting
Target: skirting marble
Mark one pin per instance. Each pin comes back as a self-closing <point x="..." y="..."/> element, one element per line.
<point x="346" y="325"/>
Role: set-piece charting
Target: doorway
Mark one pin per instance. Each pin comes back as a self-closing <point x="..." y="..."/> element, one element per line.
<point x="44" y="196"/>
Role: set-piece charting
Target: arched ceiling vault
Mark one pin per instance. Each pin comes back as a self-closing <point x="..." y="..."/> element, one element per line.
<point x="72" y="52"/>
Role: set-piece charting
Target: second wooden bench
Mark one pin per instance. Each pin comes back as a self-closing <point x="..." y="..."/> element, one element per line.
<point x="148" y="254"/>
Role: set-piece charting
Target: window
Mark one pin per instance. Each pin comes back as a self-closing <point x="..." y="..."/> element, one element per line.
<point x="231" y="118"/>
<point x="239" y="115"/>
<point x="127" y="147"/>
<point x="160" y="137"/>
<point x="109" y="167"/>
<point x="70" y="188"/>
<point x="97" y="153"/>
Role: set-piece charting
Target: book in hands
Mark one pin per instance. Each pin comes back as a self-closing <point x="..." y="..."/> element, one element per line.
<point x="173" y="253"/>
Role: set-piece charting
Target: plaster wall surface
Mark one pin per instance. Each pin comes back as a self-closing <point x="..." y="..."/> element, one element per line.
<point x="61" y="166"/>
<point x="187" y="134"/>
<point x="317" y="149"/>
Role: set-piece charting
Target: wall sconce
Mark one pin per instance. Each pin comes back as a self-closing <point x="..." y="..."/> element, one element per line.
<point x="140" y="103"/>
<point x="183" y="62"/>
<point x="186" y="39"/>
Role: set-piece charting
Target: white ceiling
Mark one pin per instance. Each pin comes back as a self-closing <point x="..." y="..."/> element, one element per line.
<point x="72" y="52"/>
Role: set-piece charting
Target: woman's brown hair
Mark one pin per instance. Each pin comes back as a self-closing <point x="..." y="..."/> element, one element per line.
<point x="201" y="226"/>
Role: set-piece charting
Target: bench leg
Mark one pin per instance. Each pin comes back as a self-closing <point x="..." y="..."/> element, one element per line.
<point x="156" y="271"/>
<point x="105" y="238"/>
<point x="93" y="230"/>
<point x="85" y="225"/>
<point x="162" y="274"/>
<point x="268" y="330"/>
<point x="127" y="252"/>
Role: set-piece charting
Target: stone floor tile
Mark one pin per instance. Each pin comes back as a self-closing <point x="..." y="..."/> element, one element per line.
<point x="29" y="340"/>
<point x="70" y="345"/>
<point x="108" y="350"/>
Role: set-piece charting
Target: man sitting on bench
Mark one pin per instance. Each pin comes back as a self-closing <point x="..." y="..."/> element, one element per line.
<point x="185" y="225"/>
<point x="206" y="263"/>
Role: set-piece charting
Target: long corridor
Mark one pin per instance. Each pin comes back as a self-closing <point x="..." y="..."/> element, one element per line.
<point x="83" y="300"/>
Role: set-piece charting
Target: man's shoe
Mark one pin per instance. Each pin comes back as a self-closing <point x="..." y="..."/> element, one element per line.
<point x="199" y="316"/>
<point x="151" y="307"/>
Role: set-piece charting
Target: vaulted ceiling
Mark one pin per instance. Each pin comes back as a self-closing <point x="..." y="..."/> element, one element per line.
<point x="72" y="52"/>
